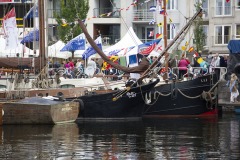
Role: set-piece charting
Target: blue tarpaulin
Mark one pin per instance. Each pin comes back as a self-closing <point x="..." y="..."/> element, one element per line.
<point x="77" y="43"/>
<point x="31" y="36"/>
<point x="234" y="46"/>
<point x="90" y="50"/>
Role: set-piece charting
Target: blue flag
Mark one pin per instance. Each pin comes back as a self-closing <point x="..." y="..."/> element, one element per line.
<point x="33" y="12"/>
<point x="90" y="50"/>
<point x="31" y="36"/>
<point x="77" y="43"/>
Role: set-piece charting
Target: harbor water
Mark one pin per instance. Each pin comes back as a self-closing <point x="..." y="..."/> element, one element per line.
<point x="182" y="139"/>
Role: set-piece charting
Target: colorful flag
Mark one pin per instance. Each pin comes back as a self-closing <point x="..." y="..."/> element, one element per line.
<point x="90" y="50"/>
<point x="152" y="22"/>
<point x="163" y="12"/>
<point x="152" y="8"/>
<point x="151" y="33"/>
<point x="190" y="49"/>
<point x="148" y="47"/>
<point x="33" y="12"/>
<point x="158" y="36"/>
<point x="10" y="29"/>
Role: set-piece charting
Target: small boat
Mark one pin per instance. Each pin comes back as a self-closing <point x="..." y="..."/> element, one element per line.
<point x="38" y="110"/>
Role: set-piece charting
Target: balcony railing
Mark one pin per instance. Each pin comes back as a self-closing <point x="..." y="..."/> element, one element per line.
<point x="143" y="15"/>
<point x="106" y="12"/>
<point x="110" y="39"/>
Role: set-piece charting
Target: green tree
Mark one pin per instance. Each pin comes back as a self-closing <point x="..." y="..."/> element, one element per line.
<point x="199" y="35"/>
<point x="70" y="12"/>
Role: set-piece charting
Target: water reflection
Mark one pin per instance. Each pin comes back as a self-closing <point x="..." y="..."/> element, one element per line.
<point x="146" y="139"/>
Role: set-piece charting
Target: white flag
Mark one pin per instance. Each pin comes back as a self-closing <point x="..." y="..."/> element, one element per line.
<point x="10" y="29"/>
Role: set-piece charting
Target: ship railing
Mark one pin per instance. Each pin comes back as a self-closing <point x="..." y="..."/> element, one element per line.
<point x="222" y="71"/>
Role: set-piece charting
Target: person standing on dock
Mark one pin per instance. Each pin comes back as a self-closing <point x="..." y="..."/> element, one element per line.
<point x="234" y="88"/>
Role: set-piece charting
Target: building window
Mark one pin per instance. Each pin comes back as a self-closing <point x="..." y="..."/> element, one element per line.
<point x="223" y="8"/>
<point x="171" y="31"/>
<point x="205" y="30"/>
<point x="238" y="4"/>
<point x="172" y="4"/>
<point x="238" y="31"/>
<point x="222" y="34"/>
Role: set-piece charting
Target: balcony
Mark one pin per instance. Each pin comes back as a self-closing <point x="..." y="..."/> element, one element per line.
<point x="143" y="15"/>
<point x="106" y="12"/>
<point x="108" y="40"/>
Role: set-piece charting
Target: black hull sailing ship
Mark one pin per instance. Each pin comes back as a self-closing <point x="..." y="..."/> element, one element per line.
<point x="102" y="105"/>
<point x="188" y="98"/>
<point x="194" y="97"/>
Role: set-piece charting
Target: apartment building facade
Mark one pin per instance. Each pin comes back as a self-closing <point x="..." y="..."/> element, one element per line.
<point x="137" y="16"/>
<point x="220" y="17"/>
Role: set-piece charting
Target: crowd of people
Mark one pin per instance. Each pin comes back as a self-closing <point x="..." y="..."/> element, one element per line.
<point x="179" y="66"/>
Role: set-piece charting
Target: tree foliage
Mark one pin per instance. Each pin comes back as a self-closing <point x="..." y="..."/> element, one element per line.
<point x="70" y="12"/>
<point x="199" y="34"/>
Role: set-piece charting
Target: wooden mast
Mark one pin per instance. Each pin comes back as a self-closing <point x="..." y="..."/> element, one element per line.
<point x="42" y="34"/>
<point x="165" y="38"/>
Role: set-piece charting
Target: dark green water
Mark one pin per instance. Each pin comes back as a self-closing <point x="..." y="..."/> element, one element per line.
<point x="181" y="139"/>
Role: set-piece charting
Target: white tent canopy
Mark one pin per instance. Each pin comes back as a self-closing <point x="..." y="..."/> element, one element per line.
<point x="130" y="39"/>
<point x="54" y="50"/>
<point x="13" y="52"/>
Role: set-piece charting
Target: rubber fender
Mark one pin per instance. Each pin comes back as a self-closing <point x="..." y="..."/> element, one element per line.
<point x="60" y="95"/>
<point x="237" y="68"/>
<point x="81" y="105"/>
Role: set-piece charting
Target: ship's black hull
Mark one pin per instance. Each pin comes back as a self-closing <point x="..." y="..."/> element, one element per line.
<point x="182" y="99"/>
<point x="130" y="105"/>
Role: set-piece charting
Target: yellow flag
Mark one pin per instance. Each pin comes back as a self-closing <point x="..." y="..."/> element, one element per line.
<point x="160" y="24"/>
<point x="184" y="48"/>
<point x="64" y="25"/>
<point x="170" y="20"/>
<point x="190" y="49"/>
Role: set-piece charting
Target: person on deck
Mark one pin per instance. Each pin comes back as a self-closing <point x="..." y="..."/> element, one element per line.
<point x="182" y="65"/>
<point x="234" y="88"/>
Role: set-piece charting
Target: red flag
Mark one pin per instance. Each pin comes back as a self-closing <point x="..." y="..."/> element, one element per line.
<point x="227" y="1"/>
<point x="148" y="50"/>
<point x="10" y="29"/>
